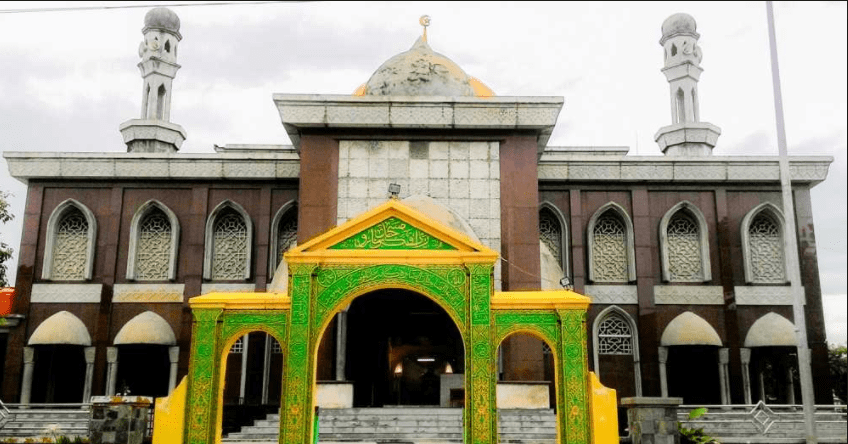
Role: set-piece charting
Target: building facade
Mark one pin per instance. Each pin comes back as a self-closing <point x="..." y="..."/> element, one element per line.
<point x="681" y="254"/>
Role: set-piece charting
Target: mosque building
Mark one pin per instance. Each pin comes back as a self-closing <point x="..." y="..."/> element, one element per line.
<point x="682" y="255"/>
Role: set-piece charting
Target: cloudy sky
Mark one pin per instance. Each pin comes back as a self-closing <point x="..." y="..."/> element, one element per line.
<point x="68" y="78"/>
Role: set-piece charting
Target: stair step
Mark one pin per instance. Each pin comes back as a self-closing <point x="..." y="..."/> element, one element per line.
<point x="394" y="424"/>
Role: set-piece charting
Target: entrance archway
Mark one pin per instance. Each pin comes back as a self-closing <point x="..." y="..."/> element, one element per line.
<point x="389" y="247"/>
<point x="399" y="346"/>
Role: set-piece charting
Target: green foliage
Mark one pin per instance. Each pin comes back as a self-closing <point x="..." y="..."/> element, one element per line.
<point x="695" y="436"/>
<point x="839" y="370"/>
<point x="5" y="250"/>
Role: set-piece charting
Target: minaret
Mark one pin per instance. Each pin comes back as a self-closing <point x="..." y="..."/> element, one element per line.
<point x="153" y="133"/>
<point x="687" y="135"/>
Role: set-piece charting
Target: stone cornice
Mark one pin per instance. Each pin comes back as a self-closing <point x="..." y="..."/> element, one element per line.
<point x="25" y="166"/>
<point x="299" y="112"/>
<point x="558" y="166"/>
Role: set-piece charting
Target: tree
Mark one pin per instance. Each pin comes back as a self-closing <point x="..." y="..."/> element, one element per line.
<point x="5" y="250"/>
<point x="838" y="369"/>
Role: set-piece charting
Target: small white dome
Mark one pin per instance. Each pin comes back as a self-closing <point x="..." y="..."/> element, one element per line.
<point x="162" y="18"/>
<point x="677" y="24"/>
<point x="146" y="328"/>
<point x="61" y="328"/>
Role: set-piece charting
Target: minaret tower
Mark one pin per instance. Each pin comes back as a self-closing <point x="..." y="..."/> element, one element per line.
<point x="153" y="132"/>
<point x="687" y="135"/>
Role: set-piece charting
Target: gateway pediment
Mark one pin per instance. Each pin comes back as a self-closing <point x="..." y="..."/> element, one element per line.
<point x="393" y="232"/>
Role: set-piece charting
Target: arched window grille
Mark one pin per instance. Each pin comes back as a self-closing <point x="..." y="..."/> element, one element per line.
<point x="238" y="346"/>
<point x="609" y="249"/>
<point x="286" y="233"/>
<point x="684" y="248"/>
<point x="153" y="250"/>
<point x="276" y="348"/>
<point x="614" y="336"/>
<point x="229" y="246"/>
<point x="70" y="246"/>
<point x="550" y="232"/>
<point x="765" y="244"/>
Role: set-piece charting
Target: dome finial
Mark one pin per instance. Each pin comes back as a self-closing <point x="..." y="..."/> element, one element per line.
<point x="425" y="22"/>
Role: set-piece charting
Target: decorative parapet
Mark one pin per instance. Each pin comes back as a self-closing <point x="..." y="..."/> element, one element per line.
<point x="689" y="294"/>
<point x="148" y="293"/>
<point x="764" y="295"/>
<point x="612" y="294"/>
<point x="66" y="293"/>
<point x="566" y="165"/>
<point x="299" y="112"/>
<point x="25" y="166"/>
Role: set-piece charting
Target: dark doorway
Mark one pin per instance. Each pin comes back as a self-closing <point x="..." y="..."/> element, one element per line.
<point x="399" y="344"/>
<point x="143" y="369"/>
<point x="59" y="374"/>
<point x="692" y="372"/>
<point x="774" y="375"/>
<point x="252" y="381"/>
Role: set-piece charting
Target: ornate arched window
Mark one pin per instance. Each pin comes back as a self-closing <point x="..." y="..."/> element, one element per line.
<point x="154" y="239"/>
<point x="614" y="333"/>
<point x="69" y="248"/>
<point x="553" y="232"/>
<point x="229" y="235"/>
<point x="762" y="237"/>
<point x="284" y="237"/>
<point x="684" y="245"/>
<point x="611" y="254"/>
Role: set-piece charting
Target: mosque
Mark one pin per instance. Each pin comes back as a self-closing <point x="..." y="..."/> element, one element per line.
<point x="681" y="255"/>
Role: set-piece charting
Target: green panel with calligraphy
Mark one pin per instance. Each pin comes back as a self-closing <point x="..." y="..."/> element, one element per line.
<point x="392" y="234"/>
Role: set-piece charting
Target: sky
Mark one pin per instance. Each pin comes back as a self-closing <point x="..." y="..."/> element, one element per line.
<point x="68" y="78"/>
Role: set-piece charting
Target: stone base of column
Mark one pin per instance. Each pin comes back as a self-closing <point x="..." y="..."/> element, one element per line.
<point x="652" y="420"/>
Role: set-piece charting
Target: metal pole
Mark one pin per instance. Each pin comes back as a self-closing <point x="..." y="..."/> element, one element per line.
<point x="791" y="244"/>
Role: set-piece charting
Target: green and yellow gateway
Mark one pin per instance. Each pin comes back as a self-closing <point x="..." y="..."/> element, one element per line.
<point x="392" y="246"/>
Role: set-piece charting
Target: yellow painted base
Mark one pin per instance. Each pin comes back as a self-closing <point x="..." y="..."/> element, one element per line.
<point x="169" y="422"/>
<point x="603" y="411"/>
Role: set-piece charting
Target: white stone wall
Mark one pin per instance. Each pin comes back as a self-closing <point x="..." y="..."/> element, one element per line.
<point x="464" y="176"/>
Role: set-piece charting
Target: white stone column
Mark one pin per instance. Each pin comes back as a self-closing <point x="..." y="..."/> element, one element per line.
<point x="266" y="369"/>
<point x="111" y="370"/>
<point x="243" y="381"/>
<point x="341" y="344"/>
<point x="663" y="358"/>
<point x="790" y="384"/>
<point x="762" y="386"/>
<point x="174" y="356"/>
<point x="26" y="385"/>
<point x="745" y="354"/>
<point x="723" y="359"/>
<point x="89" y="373"/>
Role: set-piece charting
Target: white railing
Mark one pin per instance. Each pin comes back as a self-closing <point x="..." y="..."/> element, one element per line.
<point x="4" y="414"/>
<point x="762" y="423"/>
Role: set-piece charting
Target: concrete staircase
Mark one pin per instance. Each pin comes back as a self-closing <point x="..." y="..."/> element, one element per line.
<point x="409" y="424"/>
<point x="45" y="422"/>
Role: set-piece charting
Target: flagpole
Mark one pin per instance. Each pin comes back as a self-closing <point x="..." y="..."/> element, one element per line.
<point x="791" y="244"/>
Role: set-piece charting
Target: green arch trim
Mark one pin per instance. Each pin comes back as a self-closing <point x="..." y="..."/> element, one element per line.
<point x="337" y="286"/>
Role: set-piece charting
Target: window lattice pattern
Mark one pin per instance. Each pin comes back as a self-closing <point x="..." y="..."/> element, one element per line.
<point x="609" y="251"/>
<point x="614" y="336"/>
<point x="286" y="234"/>
<point x="153" y="256"/>
<point x="684" y="249"/>
<point x="550" y="232"/>
<point x="546" y="349"/>
<point x="70" y="247"/>
<point x="276" y="348"/>
<point x="238" y="346"/>
<point x="229" y="248"/>
<point x="766" y="246"/>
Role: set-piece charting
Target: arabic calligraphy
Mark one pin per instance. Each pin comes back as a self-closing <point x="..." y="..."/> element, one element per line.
<point x="392" y="234"/>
